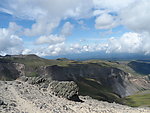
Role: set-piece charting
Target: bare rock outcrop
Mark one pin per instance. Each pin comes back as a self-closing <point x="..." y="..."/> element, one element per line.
<point x="66" y="89"/>
<point x="120" y="82"/>
<point x="21" y="97"/>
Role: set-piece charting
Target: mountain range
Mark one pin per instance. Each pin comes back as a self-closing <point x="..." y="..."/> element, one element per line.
<point x="123" y="82"/>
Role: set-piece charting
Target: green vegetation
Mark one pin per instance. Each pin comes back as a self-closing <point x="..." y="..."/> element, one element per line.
<point x="123" y="65"/>
<point x="32" y="74"/>
<point x="94" y="89"/>
<point x="137" y="100"/>
<point x="33" y="62"/>
<point x="87" y="86"/>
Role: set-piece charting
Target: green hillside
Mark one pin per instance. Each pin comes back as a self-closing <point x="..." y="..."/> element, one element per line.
<point x="87" y="86"/>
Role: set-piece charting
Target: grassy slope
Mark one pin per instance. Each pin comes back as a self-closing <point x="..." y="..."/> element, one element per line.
<point x="94" y="89"/>
<point x="88" y="86"/>
<point x="32" y="63"/>
<point x="140" y="99"/>
<point x="123" y="65"/>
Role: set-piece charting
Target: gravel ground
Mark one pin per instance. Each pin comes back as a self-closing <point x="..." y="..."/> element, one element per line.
<point x="20" y="97"/>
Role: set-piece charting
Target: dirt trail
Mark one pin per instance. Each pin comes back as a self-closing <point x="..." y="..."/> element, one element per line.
<point x="20" y="97"/>
<point x="24" y="104"/>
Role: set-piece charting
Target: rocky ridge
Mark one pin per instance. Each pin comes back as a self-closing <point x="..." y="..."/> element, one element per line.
<point x="122" y="83"/>
<point x="64" y="81"/>
<point x="65" y="89"/>
<point x="22" y="97"/>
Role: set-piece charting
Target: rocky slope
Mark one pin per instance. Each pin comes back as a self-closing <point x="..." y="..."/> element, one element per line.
<point x="120" y="82"/>
<point x="100" y="80"/>
<point x="21" y="97"/>
<point x="10" y="70"/>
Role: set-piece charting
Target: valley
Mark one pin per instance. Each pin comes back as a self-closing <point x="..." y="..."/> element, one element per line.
<point x="108" y="81"/>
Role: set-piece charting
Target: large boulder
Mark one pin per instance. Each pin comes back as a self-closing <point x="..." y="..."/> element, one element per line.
<point x="33" y="80"/>
<point x="66" y="89"/>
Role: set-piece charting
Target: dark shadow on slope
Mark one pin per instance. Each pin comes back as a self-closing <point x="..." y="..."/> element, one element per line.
<point x="140" y="67"/>
<point x="75" y="98"/>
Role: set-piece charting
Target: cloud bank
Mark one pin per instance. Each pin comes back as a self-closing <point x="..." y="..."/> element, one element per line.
<point x="48" y="15"/>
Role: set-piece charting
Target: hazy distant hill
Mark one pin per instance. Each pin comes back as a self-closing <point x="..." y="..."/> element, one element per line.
<point x="142" y="67"/>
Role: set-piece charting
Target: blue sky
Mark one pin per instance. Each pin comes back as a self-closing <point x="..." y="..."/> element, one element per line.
<point x="55" y="28"/>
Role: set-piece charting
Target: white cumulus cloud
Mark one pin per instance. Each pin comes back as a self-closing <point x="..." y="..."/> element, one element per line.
<point x="50" y="39"/>
<point x="105" y="21"/>
<point x="67" y="29"/>
<point x="136" y="16"/>
<point x="9" y="43"/>
<point x="114" y="5"/>
<point x="48" y="13"/>
<point x="129" y="43"/>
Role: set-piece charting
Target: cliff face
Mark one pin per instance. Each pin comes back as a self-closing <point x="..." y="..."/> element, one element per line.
<point x="10" y="70"/>
<point x="119" y="81"/>
<point x="113" y="79"/>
